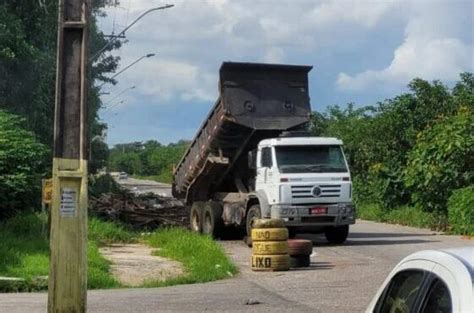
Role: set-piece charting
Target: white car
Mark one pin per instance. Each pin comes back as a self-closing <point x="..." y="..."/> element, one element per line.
<point x="430" y="281"/>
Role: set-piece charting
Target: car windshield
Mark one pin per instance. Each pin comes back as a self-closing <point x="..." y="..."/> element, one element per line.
<point x="317" y="159"/>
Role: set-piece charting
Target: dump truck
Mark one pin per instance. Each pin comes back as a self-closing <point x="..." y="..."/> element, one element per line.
<point x="252" y="158"/>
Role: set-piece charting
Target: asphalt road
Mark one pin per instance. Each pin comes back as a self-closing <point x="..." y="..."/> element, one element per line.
<point x="340" y="279"/>
<point x="144" y="186"/>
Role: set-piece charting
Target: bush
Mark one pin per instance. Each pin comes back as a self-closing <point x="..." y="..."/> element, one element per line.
<point x="461" y="211"/>
<point x="21" y="164"/>
<point x="99" y="185"/>
<point x="442" y="161"/>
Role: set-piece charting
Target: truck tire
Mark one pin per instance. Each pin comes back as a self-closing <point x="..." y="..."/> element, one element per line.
<point x="270" y="247"/>
<point x="269" y="234"/>
<point x="270" y="262"/>
<point x="195" y="217"/>
<point x="300" y="261"/>
<point x="337" y="234"/>
<point x="252" y="214"/>
<point x="300" y="247"/>
<point x="212" y="219"/>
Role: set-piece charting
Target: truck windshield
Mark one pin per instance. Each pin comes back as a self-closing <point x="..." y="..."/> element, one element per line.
<point x="317" y="159"/>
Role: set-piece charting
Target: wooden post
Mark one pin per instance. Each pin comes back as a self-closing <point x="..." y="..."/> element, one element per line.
<point x="67" y="291"/>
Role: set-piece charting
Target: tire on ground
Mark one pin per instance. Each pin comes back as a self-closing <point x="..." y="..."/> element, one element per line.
<point x="212" y="219"/>
<point x="270" y="262"/>
<point x="270" y="247"/>
<point x="300" y="247"/>
<point x="269" y="234"/>
<point x="195" y="216"/>
<point x="337" y="235"/>
<point x="300" y="261"/>
<point x="269" y="223"/>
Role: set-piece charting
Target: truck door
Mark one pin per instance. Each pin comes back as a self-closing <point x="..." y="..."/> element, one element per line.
<point x="264" y="165"/>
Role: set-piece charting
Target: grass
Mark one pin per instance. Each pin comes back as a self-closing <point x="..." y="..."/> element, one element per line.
<point x="203" y="259"/>
<point x="405" y="215"/>
<point x="105" y="233"/>
<point x="24" y="251"/>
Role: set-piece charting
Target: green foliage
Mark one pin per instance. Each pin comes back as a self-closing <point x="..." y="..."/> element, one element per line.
<point x="441" y="161"/>
<point x="404" y="215"/>
<point x="24" y="251"/>
<point x="149" y="159"/>
<point x="99" y="156"/>
<point x="21" y="166"/>
<point x="407" y="149"/>
<point x="461" y="211"/>
<point x="98" y="269"/>
<point x="101" y="184"/>
<point x="203" y="258"/>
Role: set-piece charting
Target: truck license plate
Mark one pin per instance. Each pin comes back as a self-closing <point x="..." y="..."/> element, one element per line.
<point x="318" y="210"/>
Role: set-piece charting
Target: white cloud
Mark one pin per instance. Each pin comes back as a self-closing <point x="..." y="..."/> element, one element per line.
<point x="194" y="37"/>
<point x="431" y="49"/>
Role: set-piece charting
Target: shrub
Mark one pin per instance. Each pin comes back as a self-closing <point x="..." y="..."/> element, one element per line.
<point x="21" y="164"/>
<point x="461" y="211"/>
<point x="99" y="185"/>
<point x="441" y="161"/>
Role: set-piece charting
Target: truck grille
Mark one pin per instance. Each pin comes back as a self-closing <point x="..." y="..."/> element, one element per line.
<point x="306" y="191"/>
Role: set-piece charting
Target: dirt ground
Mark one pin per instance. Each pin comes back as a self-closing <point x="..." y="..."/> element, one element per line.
<point x="133" y="264"/>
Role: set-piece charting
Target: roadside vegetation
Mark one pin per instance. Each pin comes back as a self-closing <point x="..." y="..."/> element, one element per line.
<point x="25" y="253"/>
<point x="204" y="260"/>
<point x="147" y="160"/>
<point x="411" y="157"/>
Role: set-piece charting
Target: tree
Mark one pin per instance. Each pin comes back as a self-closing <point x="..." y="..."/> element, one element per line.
<point x="21" y="166"/>
<point x="441" y="161"/>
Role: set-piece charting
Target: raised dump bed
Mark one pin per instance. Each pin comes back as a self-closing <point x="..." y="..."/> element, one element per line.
<point x="256" y="101"/>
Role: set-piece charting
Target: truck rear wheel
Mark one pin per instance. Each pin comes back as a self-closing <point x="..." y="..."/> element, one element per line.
<point x="212" y="219"/>
<point x="195" y="217"/>
<point x="337" y="234"/>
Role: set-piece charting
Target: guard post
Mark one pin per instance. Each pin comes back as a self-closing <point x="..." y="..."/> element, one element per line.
<point x="67" y="289"/>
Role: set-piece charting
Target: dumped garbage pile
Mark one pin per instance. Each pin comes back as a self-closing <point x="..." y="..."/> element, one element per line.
<point x="140" y="211"/>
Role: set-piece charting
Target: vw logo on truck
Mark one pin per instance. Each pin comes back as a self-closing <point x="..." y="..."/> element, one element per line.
<point x="316" y="191"/>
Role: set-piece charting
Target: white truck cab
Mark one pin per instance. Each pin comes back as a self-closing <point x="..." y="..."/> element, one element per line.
<point x="306" y="181"/>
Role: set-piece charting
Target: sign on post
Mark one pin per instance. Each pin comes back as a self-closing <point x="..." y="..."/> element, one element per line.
<point x="47" y="190"/>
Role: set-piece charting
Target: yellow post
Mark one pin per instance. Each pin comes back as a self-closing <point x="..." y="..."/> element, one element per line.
<point x="67" y="289"/>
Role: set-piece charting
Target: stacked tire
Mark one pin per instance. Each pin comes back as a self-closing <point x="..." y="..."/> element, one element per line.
<point x="270" y="245"/>
<point x="300" y="251"/>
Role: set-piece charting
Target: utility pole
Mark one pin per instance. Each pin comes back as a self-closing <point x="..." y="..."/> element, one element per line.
<point x="67" y="290"/>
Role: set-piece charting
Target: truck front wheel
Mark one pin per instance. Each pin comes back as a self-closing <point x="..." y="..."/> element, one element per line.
<point x="337" y="234"/>
<point x="212" y="219"/>
<point x="195" y="217"/>
<point x="252" y="214"/>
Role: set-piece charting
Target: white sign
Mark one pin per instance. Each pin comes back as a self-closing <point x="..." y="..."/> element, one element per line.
<point x="68" y="202"/>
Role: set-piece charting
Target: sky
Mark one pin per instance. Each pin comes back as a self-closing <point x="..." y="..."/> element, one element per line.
<point x="361" y="51"/>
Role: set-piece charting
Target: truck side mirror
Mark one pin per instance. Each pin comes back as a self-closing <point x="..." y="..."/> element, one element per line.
<point x="252" y="159"/>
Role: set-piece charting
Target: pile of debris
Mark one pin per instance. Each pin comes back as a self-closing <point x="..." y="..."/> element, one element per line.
<point x="140" y="211"/>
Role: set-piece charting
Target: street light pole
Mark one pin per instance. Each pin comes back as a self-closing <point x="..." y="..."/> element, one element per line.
<point x="149" y="55"/>
<point x="112" y="39"/>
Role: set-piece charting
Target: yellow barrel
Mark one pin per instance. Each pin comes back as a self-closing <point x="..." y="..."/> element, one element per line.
<point x="270" y="247"/>
<point x="269" y="234"/>
<point x="279" y="262"/>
